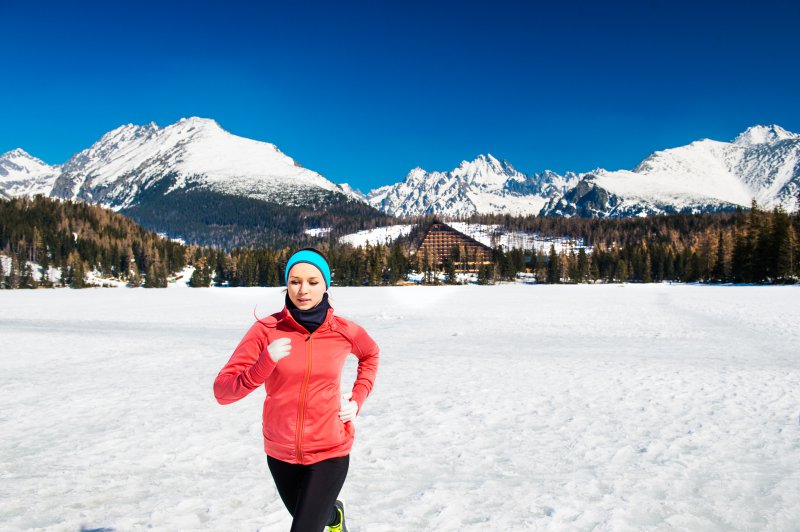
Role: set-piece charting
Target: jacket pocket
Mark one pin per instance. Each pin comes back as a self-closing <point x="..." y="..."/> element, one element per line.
<point x="278" y="422"/>
<point x="323" y="428"/>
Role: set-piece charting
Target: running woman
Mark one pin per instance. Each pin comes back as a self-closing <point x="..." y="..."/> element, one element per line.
<point x="298" y="355"/>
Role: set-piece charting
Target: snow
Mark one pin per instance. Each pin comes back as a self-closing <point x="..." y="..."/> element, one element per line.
<point x="764" y="134"/>
<point x="21" y="174"/>
<point x="318" y="231"/>
<point x="495" y="235"/>
<point x="237" y="163"/>
<point x="761" y="163"/>
<point x="197" y="151"/>
<point x="473" y="186"/>
<point x="589" y="407"/>
<point x="697" y="173"/>
<point x="181" y="279"/>
<point x="378" y="235"/>
<point x="166" y="236"/>
<point x="490" y="235"/>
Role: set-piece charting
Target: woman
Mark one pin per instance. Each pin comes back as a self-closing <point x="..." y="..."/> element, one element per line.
<point x="298" y="354"/>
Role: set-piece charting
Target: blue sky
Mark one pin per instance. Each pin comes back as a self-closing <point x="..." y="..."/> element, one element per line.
<point x="364" y="91"/>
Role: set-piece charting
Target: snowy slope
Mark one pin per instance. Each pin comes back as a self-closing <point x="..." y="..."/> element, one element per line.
<point x="192" y="152"/>
<point x="24" y="175"/>
<point x="763" y="163"/>
<point x="484" y="185"/>
<point x="378" y="235"/>
<point x="489" y="235"/>
<point x="505" y="408"/>
<point x="496" y="235"/>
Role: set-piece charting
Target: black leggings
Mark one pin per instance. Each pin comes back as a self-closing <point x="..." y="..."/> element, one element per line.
<point x="309" y="491"/>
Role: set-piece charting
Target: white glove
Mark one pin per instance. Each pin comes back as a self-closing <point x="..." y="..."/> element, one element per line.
<point x="348" y="408"/>
<point x="279" y="349"/>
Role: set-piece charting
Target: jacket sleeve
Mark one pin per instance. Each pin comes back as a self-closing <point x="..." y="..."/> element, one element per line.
<point x="368" y="354"/>
<point x="247" y="369"/>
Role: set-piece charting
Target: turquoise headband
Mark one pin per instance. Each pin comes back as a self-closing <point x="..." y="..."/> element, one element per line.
<point x="313" y="258"/>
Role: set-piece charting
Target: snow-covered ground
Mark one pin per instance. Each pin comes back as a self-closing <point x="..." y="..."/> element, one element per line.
<point x="379" y="235"/>
<point x="502" y="408"/>
<point x="490" y="235"/>
<point x="318" y="231"/>
<point x="496" y="235"/>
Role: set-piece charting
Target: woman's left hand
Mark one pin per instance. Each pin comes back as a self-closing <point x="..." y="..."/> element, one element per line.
<point x="348" y="408"/>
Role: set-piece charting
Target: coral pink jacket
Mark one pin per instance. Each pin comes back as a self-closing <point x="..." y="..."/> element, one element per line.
<point x="301" y="422"/>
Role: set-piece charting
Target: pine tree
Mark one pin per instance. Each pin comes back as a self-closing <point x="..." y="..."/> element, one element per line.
<point x="783" y="243"/>
<point x="450" y="272"/>
<point x="201" y="277"/>
<point x="486" y="274"/>
<point x="595" y="267"/>
<point x="718" y="272"/>
<point x="13" y="272"/>
<point x="77" y="275"/>
<point x="583" y="266"/>
<point x="26" y="279"/>
<point x="621" y="271"/>
<point x="134" y="277"/>
<point x="553" y="267"/>
<point x="427" y="268"/>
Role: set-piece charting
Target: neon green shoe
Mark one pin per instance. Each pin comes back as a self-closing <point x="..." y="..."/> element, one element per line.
<point x="339" y="526"/>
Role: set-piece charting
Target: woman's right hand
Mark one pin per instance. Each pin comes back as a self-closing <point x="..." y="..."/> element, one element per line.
<point x="279" y="348"/>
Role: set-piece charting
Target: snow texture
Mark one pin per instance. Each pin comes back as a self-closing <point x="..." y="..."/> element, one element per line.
<point x="761" y="163"/>
<point x="496" y="235"/>
<point x="192" y="152"/>
<point x="484" y="185"/>
<point x="489" y="235"/>
<point x="378" y="235"/>
<point x="590" y="407"/>
<point x="21" y="174"/>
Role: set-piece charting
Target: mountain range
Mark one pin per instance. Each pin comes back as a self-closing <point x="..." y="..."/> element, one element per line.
<point x="193" y="152"/>
<point x="133" y="166"/>
<point x="192" y="180"/>
<point x="762" y="163"/>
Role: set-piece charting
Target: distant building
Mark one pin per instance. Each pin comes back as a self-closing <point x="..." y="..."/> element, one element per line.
<point x="442" y="243"/>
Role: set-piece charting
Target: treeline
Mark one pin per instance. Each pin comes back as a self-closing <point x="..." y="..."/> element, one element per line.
<point x="756" y="246"/>
<point x="207" y="218"/>
<point x="78" y="238"/>
<point x="360" y="266"/>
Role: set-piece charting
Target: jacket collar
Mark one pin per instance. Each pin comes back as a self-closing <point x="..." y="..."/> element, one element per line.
<point x="286" y="317"/>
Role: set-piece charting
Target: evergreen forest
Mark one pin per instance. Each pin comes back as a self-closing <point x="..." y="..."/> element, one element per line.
<point x="746" y="246"/>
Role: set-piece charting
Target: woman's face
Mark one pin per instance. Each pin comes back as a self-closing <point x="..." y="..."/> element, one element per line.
<point x="306" y="285"/>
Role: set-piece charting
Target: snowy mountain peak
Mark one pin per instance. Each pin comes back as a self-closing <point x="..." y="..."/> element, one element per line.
<point x="19" y="159"/>
<point x="16" y="152"/>
<point x="485" y="161"/>
<point x="485" y="184"/>
<point x="763" y="135"/>
<point x="127" y="133"/>
<point x="353" y="192"/>
<point x="486" y="171"/>
<point x="192" y="152"/>
<point x="415" y="174"/>
<point x="199" y="123"/>
<point x="24" y="174"/>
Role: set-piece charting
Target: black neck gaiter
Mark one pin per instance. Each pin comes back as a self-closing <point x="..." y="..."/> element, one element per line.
<point x="312" y="318"/>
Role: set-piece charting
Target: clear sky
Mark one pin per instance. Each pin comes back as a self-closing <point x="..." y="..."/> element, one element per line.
<point x="364" y="91"/>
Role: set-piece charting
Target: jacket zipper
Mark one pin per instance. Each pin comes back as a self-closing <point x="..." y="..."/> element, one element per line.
<point x="303" y="396"/>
